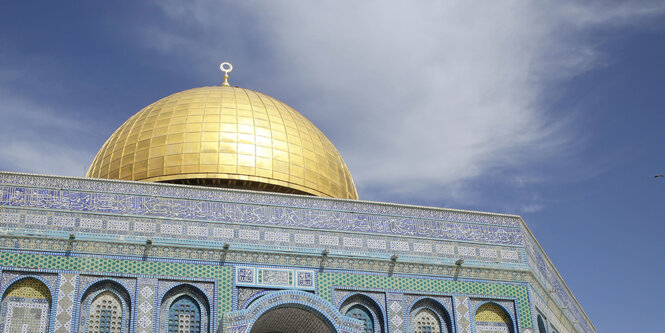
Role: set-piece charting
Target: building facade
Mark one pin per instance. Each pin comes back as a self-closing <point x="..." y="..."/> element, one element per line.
<point x="291" y="250"/>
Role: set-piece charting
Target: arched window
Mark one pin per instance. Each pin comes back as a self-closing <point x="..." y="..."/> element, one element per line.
<point x="184" y="309"/>
<point x="492" y="318"/>
<point x="541" y="324"/>
<point x="184" y="316"/>
<point x="105" y="314"/>
<point x="365" y="309"/>
<point x="428" y="315"/>
<point x="26" y="307"/>
<point x="426" y="321"/>
<point x="105" y="308"/>
<point x="361" y="313"/>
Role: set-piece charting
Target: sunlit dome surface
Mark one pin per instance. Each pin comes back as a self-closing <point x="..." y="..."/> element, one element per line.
<point x="228" y="137"/>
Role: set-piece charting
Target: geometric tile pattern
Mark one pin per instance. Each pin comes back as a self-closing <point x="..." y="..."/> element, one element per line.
<point x="24" y="315"/>
<point x="440" y="307"/>
<point x="545" y="272"/>
<point x="488" y="289"/>
<point x="9" y="276"/>
<point x="490" y="317"/>
<point x="145" y="311"/>
<point x="259" y="237"/>
<point x="411" y="300"/>
<point x="118" y="266"/>
<point x="236" y="321"/>
<point x="28" y="288"/>
<point x="86" y="281"/>
<point x="25" y="307"/>
<point x="214" y="255"/>
<point x="55" y="206"/>
<point x="115" y="203"/>
<point x="508" y="306"/>
<point x="463" y="314"/>
<point x="170" y="306"/>
<point x="155" y="189"/>
<point x="396" y="313"/>
<point x="65" y="303"/>
<point x="92" y="303"/>
<point x="245" y="294"/>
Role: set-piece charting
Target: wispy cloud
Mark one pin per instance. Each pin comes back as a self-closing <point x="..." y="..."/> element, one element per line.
<point x="420" y="97"/>
<point x="424" y="100"/>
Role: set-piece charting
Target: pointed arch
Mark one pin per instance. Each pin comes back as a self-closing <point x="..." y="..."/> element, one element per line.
<point x="26" y="304"/>
<point x="274" y="306"/>
<point x="542" y="328"/>
<point x="184" y="308"/>
<point x="491" y="317"/>
<point x="105" y="307"/>
<point x="366" y="309"/>
<point x="429" y="315"/>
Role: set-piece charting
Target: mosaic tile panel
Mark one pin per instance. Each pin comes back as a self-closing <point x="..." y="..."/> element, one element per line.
<point x="205" y="287"/>
<point x="275" y="278"/>
<point x="146" y="301"/>
<point x="488" y="289"/>
<point x="263" y="237"/>
<point x="170" y="208"/>
<point x="128" y="251"/>
<point x="507" y="305"/>
<point x="462" y="314"/>
<point x="396" y="312"/>
<point x="491" y="317"/>
<point x="151" y="199"/>
<point x="200" y="193"/>
<point x="85" y="280"/>
<point x="188" y="271"/>
<point x="169" y="305"/>
<point x="236" y="321"/>
<point x="8" y="276"/>
<point x="65" y="304"/>
<point x="245" y="294"/>
<point x="547" y="275"/>
<point x="445" y="301"/>
<point x="25" y="307"/>
<point x="27" y="315"/>
<point x="94" y="308"/>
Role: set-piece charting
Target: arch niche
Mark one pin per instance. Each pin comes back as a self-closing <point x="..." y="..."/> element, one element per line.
<point x="493" y="318"/>
<point x="25" y="306"/>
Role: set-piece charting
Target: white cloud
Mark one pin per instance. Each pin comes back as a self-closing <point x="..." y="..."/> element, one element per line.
<point x="420" y="97"/>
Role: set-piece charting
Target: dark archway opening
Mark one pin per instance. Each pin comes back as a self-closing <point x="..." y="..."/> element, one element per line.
<point x="291" y="319"/>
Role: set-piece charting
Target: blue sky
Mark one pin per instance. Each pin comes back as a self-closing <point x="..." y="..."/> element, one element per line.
<point x="554" y="111"/>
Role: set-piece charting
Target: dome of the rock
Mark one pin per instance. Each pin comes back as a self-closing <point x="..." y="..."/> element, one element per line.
<point x="228" y="137"/>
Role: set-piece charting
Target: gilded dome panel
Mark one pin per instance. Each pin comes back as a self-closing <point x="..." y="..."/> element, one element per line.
<point x="225" y="136"/>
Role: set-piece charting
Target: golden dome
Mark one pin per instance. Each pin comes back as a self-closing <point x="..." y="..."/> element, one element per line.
<point x="228" y="137"/>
